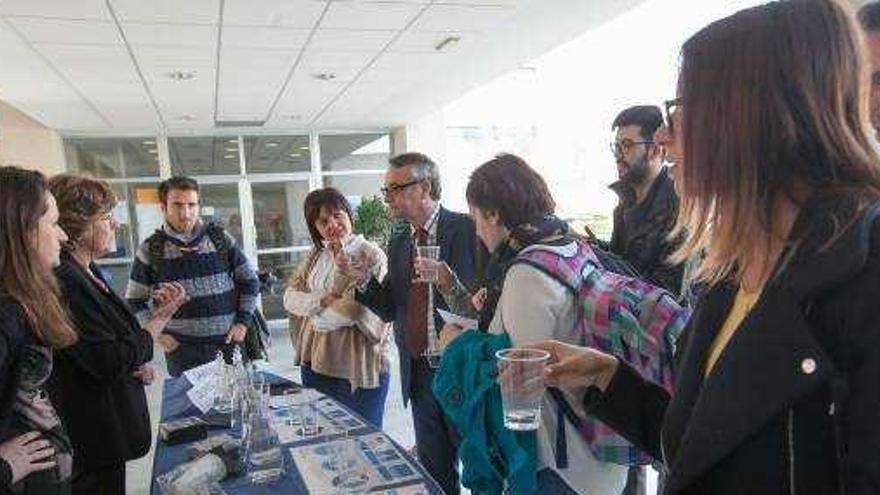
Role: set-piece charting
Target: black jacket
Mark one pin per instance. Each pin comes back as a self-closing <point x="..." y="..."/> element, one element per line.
<point x="793" y="403"/>
<point x="388" y="299"/>
<point x="641" y="230"/>
<point x="102" y="405"/>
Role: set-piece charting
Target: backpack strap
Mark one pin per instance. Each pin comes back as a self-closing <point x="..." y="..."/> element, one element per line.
<point x="156" y="251"/>
<point x="221" y="243"/>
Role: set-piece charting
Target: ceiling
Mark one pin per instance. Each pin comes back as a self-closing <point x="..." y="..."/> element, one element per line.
<point x="162" y="65"/>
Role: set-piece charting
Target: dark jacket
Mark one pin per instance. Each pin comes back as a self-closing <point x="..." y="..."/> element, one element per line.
<point x="641" y="230"/>
<point x="102" y="405"/>
<point x="388" y="299"/>
<point x="792" y="404"/>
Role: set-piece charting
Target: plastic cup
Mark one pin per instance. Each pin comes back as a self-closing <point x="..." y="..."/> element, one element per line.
<point x="521" y="377"/>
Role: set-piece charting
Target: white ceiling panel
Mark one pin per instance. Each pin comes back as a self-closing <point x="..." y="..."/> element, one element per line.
<point x="80" y="76"/>
<point x="345" y="60"/>
<point x="251" y="59"/>
<point x="39" y="30"/>
<point x="264" y="37"/>
<point x="345" y="40"/>
<point x="139" y="33"/>
<point x="273" y="13"/>
<point x="363" y="15"/>
<point x="176" y="57"/>
<point x="64" y="9"/>
<point x="171" y="11"/>
<point x="462" y="18"/>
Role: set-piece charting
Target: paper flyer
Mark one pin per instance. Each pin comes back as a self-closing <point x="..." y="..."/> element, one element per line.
<point x="463" y="322"/>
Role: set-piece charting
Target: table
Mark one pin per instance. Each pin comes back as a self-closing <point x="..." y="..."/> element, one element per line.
<point x="175" y="405"/>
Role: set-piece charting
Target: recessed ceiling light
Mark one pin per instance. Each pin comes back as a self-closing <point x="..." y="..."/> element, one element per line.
<point x="233" y="141"/>
<point x="228" y="156"/>
<point x="271" y="145"/>
<point x="148" y="142"/>
<point x="293" y="116"/>
<point x="447" y="42"/>
<point x="187" y="117"/>
<point x="304" y="148"/>
<point x="179" y="75"/>
<point x="153" y="151"/>
<point x="295" y="155"/>
<point x="324" y="76"/>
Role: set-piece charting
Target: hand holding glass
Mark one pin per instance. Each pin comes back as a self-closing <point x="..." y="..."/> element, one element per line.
<point x="521" y="377"/>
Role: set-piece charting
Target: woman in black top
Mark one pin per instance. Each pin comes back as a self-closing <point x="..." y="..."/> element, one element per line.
<point x="98" y="383"/>
<point x="32" y="323"/>
<point x="777" y="372"/>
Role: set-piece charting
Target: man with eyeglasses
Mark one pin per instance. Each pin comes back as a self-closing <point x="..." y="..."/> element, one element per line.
<point x="869" y="18"/>
<point x="645" y="213"/>
<point x="412" y="192"/>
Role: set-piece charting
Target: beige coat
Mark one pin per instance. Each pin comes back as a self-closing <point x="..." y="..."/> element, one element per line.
<point x="356" y="352"/>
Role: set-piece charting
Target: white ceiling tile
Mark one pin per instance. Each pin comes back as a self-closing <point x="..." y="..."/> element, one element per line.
<point x="463" y="18"/>
<point x="344" y="40"/>
<point x="250" y="59"/>
<point x="90" y="63"/>
<point x="175" y="57"/>
<point x="140" y="33"/>
<point x="361" y="15"/>
<point x="62" y="9"/>
<point x="38" y="30"/>
<point x="273" y="13"/>
<point x="401" y="64"/>
<point x="264" y="37"/>
<point x="172" y="11"/>
<point x="347" y="60"/>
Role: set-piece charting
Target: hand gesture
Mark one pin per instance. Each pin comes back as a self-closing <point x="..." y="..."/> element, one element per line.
<point x="448" y="333"/>
<point x="478" y="300"/>
<point x="145" y="373"/>
<point x="236" y="333"/>
<point x="354" y="267"/>
<point x="168" y="298"/>
<point x="426" y="268"/>
<point x="27" y="454"/>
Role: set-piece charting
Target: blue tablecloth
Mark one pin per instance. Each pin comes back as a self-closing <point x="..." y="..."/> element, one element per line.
<point x="175" y="404"/>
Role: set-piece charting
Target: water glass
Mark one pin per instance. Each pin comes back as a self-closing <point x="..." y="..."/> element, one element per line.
<point x="346" y="467"/>
<point x="429" y="273"/>
<point x="264" y="455"/>
<point x="309" y="418"/>
<point x="521" y="377"/>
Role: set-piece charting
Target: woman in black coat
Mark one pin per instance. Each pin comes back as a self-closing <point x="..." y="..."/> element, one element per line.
<point x="778" y="374"/>
<point x="98" y="383"/>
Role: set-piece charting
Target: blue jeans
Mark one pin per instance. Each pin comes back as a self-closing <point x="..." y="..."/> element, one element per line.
<point x="368" y="402"/>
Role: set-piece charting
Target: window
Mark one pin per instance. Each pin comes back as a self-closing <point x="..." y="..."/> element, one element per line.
<point x="113" y="158"/>
<point x="274" y="154"/>
<point x="204" y="156"/>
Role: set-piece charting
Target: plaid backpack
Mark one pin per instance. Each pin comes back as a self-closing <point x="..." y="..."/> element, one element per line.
<point x="617" y="314"/>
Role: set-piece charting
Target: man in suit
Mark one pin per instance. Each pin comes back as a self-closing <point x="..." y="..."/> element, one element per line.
<point x="412" y="191"/>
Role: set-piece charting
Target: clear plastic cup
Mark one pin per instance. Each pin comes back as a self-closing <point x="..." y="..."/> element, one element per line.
<point x="521" y="377"/>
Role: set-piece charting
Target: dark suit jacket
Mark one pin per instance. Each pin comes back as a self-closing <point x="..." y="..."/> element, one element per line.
<point x="388" y="299"/>
<point x="792" y="403"/>
<point x="102" y="406"/>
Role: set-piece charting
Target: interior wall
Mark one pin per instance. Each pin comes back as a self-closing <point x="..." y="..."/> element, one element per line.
<point x="26" y="143"/>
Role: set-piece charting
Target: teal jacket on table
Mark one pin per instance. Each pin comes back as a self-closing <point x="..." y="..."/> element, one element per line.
<point x="466" y="388"/>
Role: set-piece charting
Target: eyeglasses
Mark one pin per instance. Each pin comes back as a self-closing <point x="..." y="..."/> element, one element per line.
<point x="395" y="188"/>
<point x="671" y="106"/>
<point x="619" y="148"/>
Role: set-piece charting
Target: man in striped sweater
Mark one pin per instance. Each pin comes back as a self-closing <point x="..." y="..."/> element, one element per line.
<point x="221" y="285"/>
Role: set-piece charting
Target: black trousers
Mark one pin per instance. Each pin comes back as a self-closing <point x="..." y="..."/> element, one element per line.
<point x="100" y="480"/>
<point x="436" y="438"/>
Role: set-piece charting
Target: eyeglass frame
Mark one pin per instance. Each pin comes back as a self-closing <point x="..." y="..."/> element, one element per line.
<point x="617" y="147"/>
<point x="396" y="188"/>
<point x="668" y="105"/>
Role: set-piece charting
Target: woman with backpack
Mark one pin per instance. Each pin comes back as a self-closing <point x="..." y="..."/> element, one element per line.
<point x="777" y="376"/>
<point x="513" y="211"/>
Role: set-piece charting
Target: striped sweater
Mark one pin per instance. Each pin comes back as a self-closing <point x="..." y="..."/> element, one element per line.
<point x="220" y="293"/>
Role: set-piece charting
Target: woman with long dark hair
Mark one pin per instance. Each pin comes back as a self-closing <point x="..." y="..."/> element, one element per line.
<point x="777" y="378"/>
<point x="32" y="323"/>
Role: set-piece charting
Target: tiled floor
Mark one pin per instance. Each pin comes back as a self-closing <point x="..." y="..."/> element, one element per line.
<point x="398" y="422"/>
